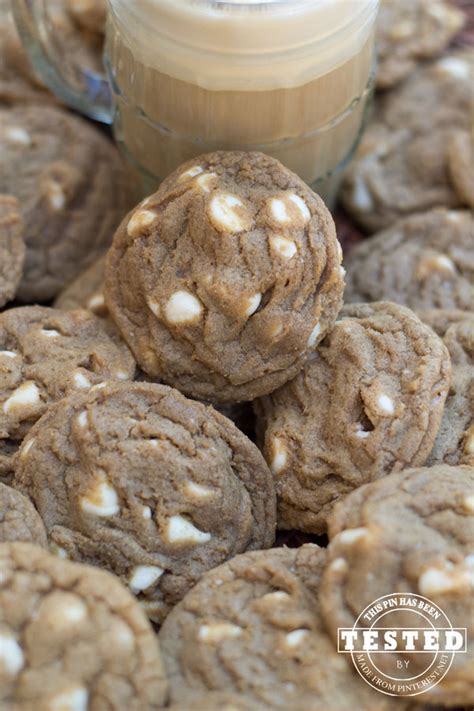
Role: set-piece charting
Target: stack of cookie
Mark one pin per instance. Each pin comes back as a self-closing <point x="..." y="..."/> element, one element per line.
<point x="176" y="388"/>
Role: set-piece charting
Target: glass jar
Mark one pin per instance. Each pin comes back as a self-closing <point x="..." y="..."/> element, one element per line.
<point x="289" y="78"/>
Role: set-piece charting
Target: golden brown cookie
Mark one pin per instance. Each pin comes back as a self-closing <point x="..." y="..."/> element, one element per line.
<point x="72" y="638"/>
<point x="425" y="261"/>
<point x="253" y="626"/>
<point x="454" y="442"/>
<point x="401" y="168"/>
<point x="72" y="190"/>
<point x="138" y="479"/>
<point x="410" y="31"/>
<point x="12" y="247"/>
<point x="368" y="402"/>
<point x="409" y="532"/>
<point x="86" y="291"/>
<point x="227" y="278"/>
<point x="46" y="354"/>
<point x="19" y="520"/>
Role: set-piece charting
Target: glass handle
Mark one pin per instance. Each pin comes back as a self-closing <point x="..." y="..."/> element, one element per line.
<point x="80" y="88"/>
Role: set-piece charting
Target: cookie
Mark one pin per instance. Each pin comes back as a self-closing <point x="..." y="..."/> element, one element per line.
<point x="253" y="626"/>
<point x="46" y="354"/>
<point x="460" y="162"/>
<point x="12" y="247"/>
<point x="137" y="479"/>
<point x="72" y="638"/>
<point x="219" y="701"/>
<point x="19" y="520"/>
<point x="86" y="291"/>
<point x="454" y="443"/>
<point x="410" y="31"/>
<point x="425" y="261"/>
<point x="400" y="167"/>
<point x="91" y="15"/>
<point x="227" y="278"/>
<point x="409" y="532"/>
<point x="72" y="190"/>
<point x="368" y="402"/>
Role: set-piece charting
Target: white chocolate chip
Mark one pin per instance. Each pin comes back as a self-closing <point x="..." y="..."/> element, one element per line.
<point x="26" y="447"/>
<point x="26" y="394"/>
<point x="284" y="247"/>
<point x="8" y="354"/>
<point x="82" y="419"/>
<point x="276" y="329"/>
<point x="50" y="333"/>
<point x="183" y="308"/>
<point x="218" y="632"/>
<point x="121" y="375"/>
<point x="55" y="195"/>
<point x="80" y="380"/>
<point x="96" y="303"/>
<point x="69" y="609"/>
<point x="154" y="307"/>
<point x="146" y="512"/>
<point x="314" y="335"/>
<point x="228" y="213"/>
<point x="302" y="207"/>
<point x="139" y="222"/>
<point x="361" y="197"/>
<point x="360" y="432"/>
<point x="279" y="456"/>
<point x="197" y="491"/>
<point x="11" y="655"/>
<point x="444" y="263"/>
<point x="293" y="639"/>
<point x="385" y="405"/>
<point x="205" y="181"/>
<point x="181" y="530"/>
<point x="468" y="503"/>
<point x="75" y="699"/>
<point x="435" y="581"/>
<point x="277" y="596"/>
<point x="18" y="135"/>
<point x="252" y="304"/>
<point x="143" y="576"/>
<point x="191" y="173"/>
<point x="351" y="535"/>
<point x="338" y="565"/>
<point x="455" y="67"/>
<point x="101" y="499"/>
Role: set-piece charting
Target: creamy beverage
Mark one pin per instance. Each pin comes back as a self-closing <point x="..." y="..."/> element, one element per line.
<point x="290" y="78"/>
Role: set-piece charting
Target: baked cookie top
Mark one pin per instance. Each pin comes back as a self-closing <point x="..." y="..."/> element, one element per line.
<point x="425" y="261"/>
<point x="401" y="168"/>
<point x="368" y="402"/>
<point x="136" y="478"/>
<point x="410" y="31"/>
<point x="19" y="520"/>
<point x="72" y="190"/>
<point x="86" y="291"/>
<point x="72" y="637"/>
<point x="12" y="247"/>
<point x="454" y="442"/>
<point x="408" y="532"/>
<point x="46" y="354"/>
<point x="225" y="279"/>
<point x="253" y="626"/>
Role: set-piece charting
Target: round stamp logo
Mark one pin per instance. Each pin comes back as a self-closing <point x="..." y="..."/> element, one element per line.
<point x="402" y="644"/>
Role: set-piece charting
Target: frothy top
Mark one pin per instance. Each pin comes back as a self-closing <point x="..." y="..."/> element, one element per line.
<point x="245" y="44"/>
